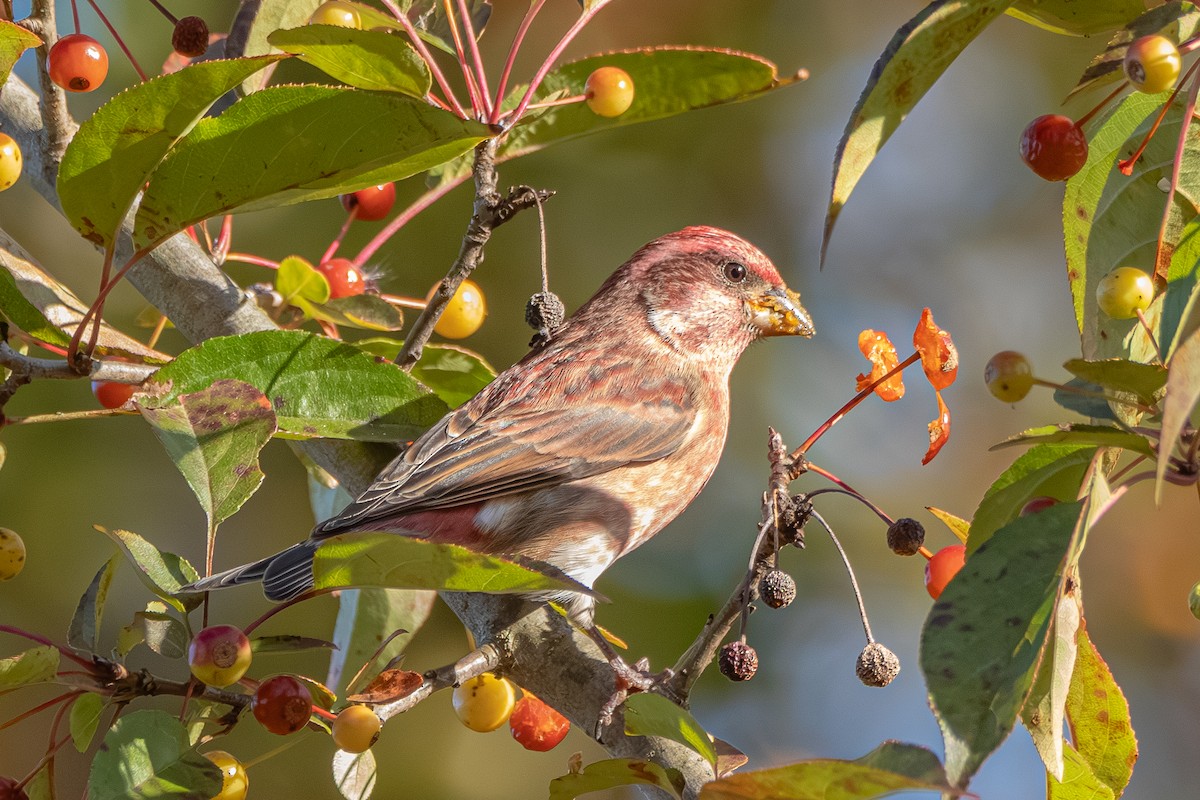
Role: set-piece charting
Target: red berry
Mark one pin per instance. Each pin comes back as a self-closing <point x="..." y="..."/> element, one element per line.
<point x="190" y="37"/>
<point x="536" y="725"/>
<point x="219" y="655"/>
<point x="1037" y="504"/>
<point x="345" y="279"/>
<point x="9" y="790"/>
<point x="77" y="63"/>
<point x="373" y="203"/>
<point x="282" y="704"/>
<point x="112" y="395"/>
<point x="1054" y="147"/>
<point x="944" y="565"/>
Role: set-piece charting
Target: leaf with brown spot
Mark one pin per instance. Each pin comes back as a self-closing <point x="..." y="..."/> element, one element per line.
<point x="1098" y="715"/>
<point x="617" y="772"/>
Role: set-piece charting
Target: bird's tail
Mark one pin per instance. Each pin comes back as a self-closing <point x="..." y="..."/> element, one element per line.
<point x="284" y="575"/>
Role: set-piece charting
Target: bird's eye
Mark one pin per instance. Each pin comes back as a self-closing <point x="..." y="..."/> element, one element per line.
<point x="735" y="272"/>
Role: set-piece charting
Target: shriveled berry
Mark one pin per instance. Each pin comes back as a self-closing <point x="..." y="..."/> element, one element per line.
<point x="1054" y="147"/>
<point x="944" y="565"/>
<point x="234" y="781"/>
<point x="544" y="312"/>
<point x="356" y="728"/>
<point x="282" y="704"/>
<point x="11" y="161"/>
<point x="777" y="588"/>
<point x="905" y="536"/>
<point x="738" y="661"/>
<point x="1037" y="504"/>
<point x="609" y="91"/>
<point x="190" y="37"/>
<point x="1008" y="376"/>
<point x="877" y="665"/>
<point x="1123" y="292"/>
<point x="12" y="554"/>
<point x="371" y="204"/>
<point x="77" y="63"/>
<point x="484" y="703"/>
<point x="219" y="655"/>
<point x="1152" y="64"/>
<point x="536" y="725"/>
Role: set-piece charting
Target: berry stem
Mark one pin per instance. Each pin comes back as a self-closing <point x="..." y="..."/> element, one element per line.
<point x="249" y="629"/>
<point x="849" y="493"/>
<point x="40" y="708"/>
<point x="42" y="640"/>
<point x="417" y="43"/>
<point x="404" y="302"/>
<point x="331" y="251"/>
<point x="162" y="10"/>
<point x="476" y="59"/>
<point x="1089" y="393"/>
<point x="247" y="258"/>
<point x="565" y="101"/>
<point x="473" y="92"/>
<point x="518" y="38"/>
<point x="403" y="218"/>
<point x="923" y="550"/>
<point x="862" y="609"/>
<point x="1142" y="316"/>
<point x="68" y="416"/>
<point x="220" y="248"/>
<point x="75" y="16"/>
<point x="292" y="741"/>
<point x="1126" y="165"/>
<point x="1096" y="109"/>
<point x="120" y="42"/>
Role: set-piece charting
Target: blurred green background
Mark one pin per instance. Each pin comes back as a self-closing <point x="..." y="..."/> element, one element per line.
<point x="947" y="217"/>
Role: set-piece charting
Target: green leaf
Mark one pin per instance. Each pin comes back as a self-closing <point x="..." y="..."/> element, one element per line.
<point x="367" y="59"/>
<point x="85" y="719"/>
<point x="957" y="525"/>
<point x="1045" y="709"/>
<point x="1089" y="405"/>
<point x="1146" y="381"/>
<point x="1111" y="220"/>
<point x="354" y="774"/>
<point x="84" y="630"/>
<point x="163" y="573"/>
<point x="146" y="755"/>
<point x="35" y="665"/>
<point x="255" y="21"/>
<point x="366" y="311"/>
<point x="984" y="636"/>
<point x="1078" y="780"/>
<point x="1077" y="17"/>
<point x="918" y="54"/>
<point x="117" y="147"/>
<point x="1099" y="715"/>
<point x="454" y="373"/>
<point x="23" y="312"/>
<point x="1183" y="392"/>
<point x="161" y="632"/>
<point x="298" y="281"/>
<point x="1046" y="469"/>
<point x="214" y="436"/>
<point x="402" y="562"/>
<point x="891" y="767"/>
<point x="615" y="772"/>
<point x="14" y="40"/>
<point x="288" y="144"/>
<point x="1175" y="20"/>
<point x="649" y="714"/>
<point x="40" y="786"/>
<point x="366" y="617"/>
<point x="1102" y="435"/>
<point x="317" y="386"/>
<point x="288" y="644"/>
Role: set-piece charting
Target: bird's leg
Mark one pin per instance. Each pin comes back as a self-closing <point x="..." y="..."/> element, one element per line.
<point x="628" y="679"/>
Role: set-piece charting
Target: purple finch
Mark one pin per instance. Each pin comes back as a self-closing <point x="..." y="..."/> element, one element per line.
<point x="596" y="439"/>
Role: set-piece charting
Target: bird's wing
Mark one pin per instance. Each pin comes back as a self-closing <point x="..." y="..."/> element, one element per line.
<point x="530" y="429"/>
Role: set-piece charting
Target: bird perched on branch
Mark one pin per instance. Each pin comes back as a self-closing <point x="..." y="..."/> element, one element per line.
<point x="596" y="439"/>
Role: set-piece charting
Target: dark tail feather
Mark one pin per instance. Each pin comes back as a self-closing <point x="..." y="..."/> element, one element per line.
<point x="284" y="575"/>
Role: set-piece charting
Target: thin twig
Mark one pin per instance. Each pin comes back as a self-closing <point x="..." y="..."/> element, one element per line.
<point x="518" y="38"/>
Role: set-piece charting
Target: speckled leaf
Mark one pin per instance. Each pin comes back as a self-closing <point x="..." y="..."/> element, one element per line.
<point x="1046" y="469"/>
<point x="1146" y="381"/>
<point x="84" y="631"/>
<point x="146" y="755"/>
<point x="287" y="144"/>
<point x="1045" y="709"/>
<point x="85" y="719"/>
<point x="649" y="714"/>
<point x="1111" y="220"/>
<point x="891" y="767"/>
<point x="354" y="774"/>
<point x="1078" y="781"/>
<point x="984" y="636"/>
<point x="1183" y="392"/>
<point x="35" y="665"/>
<point x="401" y="562"/>
<point x="317" y="386"/>
<point x="14" y="40"/>
<point x="116" y="148"/>
<point x="1099" y="717"/>
<point x="368" y="59"/>
<point x="1175" y="20"/>
<point x="455" y="374"/>
<point x="1077" y="17"/>
<point x="919" y="52"/>
<point x="613" y="772"/>
<point x="214" y="436"/>
<point x="163" y="573"/>
<point x="1102" y="435"/>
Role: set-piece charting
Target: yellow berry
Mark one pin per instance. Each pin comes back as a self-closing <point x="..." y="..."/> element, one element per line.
<point x="1008" y="376"/>
<point x="1152" y="64"/>
<point x="337" y="13"/>
<point x="609" y="91"/>
<point x="234" y="782"/>
<point x="12" y="554"/>
<point x="356" y="729"/>
<point x="484" y="703"/>
<point x="10" y="161"/>
<point x="464" y="313"/>
<point x="1124" y="292"/>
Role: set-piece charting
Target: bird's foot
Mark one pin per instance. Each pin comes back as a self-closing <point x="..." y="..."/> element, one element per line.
<point x="630" y="680"/>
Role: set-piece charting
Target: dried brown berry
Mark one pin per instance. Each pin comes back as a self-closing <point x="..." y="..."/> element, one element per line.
<point x="777" y="588"/>
<point x="877" y="666"/>
<point x="738" y="661"/>
<point x="905" y="536"/>
<point x="190" y="37"/>
<point x="544" y="313"/>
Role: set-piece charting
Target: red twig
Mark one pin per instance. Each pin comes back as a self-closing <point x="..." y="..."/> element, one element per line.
<point x="473" y="91"/>
<point x="415" y="38"/>
<point x="502" y="87"/>
<point x="472" y="42"/>
<point x="404" y="217"/>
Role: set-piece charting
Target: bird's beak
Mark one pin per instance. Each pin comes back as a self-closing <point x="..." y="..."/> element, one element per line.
<point x="777" y="312"/>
